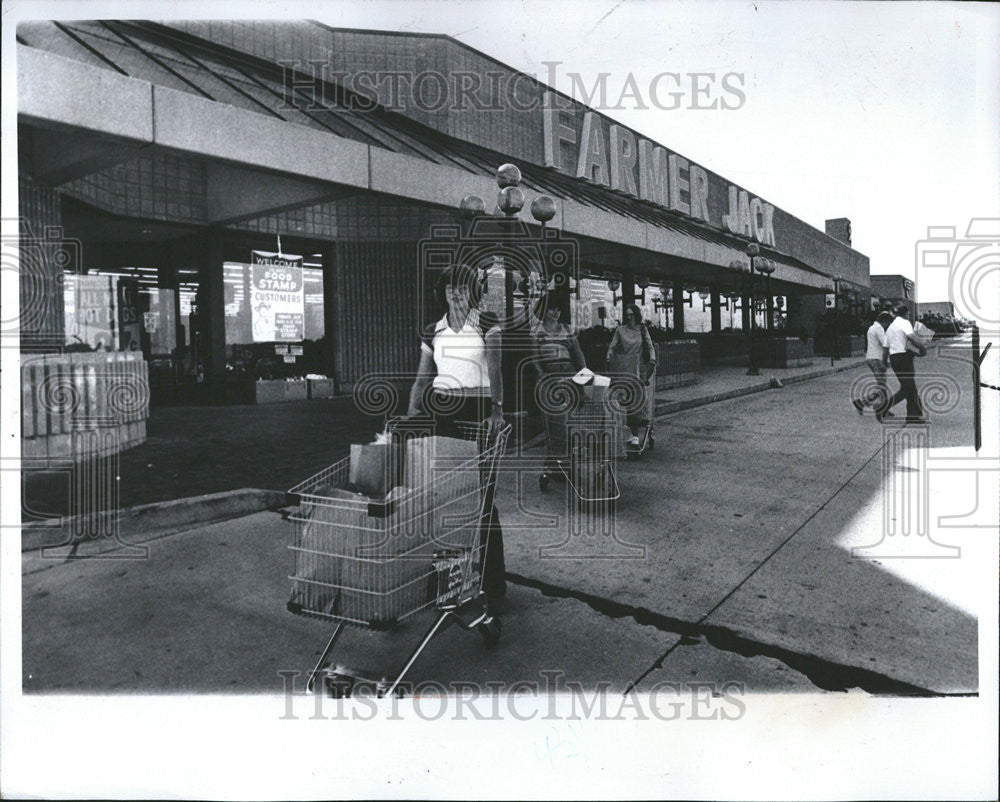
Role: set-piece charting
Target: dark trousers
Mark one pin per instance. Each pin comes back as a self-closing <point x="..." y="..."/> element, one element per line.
<point x="878" y="397"/>
<point x="443" y="413"/>
<point x="902" y="366"/>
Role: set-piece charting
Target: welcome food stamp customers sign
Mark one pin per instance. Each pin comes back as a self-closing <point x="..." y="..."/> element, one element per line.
<point x="277" y="297"/>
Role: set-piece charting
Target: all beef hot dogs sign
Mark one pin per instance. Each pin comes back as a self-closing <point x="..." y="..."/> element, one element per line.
<point x="586" y="145"/>
<point x="277" y="298"/>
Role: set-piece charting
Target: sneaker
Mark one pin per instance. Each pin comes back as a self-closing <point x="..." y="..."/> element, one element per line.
<point x="859" y="406"/>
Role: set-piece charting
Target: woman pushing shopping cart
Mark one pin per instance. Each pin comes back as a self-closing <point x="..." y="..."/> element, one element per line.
<point x="580" y="422"/>
<point x="434" y="542"/>
<point x="631" y="354"/>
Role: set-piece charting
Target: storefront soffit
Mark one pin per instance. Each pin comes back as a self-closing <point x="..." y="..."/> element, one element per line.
<point x="125" y="113"/>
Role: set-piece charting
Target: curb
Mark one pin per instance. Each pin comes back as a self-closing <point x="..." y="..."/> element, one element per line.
<point x="668" y="407"/>
<point x="160" y="517"/>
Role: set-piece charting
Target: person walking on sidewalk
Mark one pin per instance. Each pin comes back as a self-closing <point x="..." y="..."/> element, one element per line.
<point x="556" y="348"/>
<point x="877" y="359"/>
<point x="898" y="335"/>
<point x="558" y="357"/>
<point x="631" y="351"/>
<point x="460" y="358"/>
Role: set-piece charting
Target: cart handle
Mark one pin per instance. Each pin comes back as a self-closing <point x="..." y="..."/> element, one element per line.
<point x="376" y="509"/>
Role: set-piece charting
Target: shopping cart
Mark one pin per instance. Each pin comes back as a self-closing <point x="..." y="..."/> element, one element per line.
<point x="373" y="565"/>
<point x="584" y="437"/>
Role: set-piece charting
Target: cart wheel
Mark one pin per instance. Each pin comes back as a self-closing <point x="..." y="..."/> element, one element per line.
<point x="337" y="686"/>
<point x="543" y="482"/>
<point x="490" y="630"/>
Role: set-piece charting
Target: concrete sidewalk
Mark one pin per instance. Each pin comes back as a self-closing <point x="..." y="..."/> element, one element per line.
<point x="722" y="382"/>
<point x="197" y="451"/>
<point x="750" y="546"/>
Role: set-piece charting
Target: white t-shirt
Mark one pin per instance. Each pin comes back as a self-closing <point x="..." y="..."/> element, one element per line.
<point x="896" y="335"/>
<point x="876" y="341"/>
<point x="459" y="356"/>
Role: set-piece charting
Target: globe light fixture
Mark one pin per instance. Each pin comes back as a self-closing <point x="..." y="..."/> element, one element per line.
<point x="472" y="205"/>
<point x="510" y="200"/>
<point x="543" y="209"/>
<point x="508" y="175"/>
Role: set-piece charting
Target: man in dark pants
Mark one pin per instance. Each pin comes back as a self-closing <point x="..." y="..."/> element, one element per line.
<point x="899" y="333"/>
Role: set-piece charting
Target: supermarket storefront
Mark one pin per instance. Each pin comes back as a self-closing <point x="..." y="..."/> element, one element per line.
<point x="158" y="205"/>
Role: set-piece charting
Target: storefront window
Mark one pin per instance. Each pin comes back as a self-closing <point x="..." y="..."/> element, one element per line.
<point x="274" y="315"/>
<point x="120" y="310"/>
<point x="650" y="304"/>
<point x="594" y="305"/>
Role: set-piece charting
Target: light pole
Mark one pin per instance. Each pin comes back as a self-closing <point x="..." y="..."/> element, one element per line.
<point x="835" y="350"/>
<point x="765" y="267"/>
<point x="510" y="201"/>
<point x="753" y="251"/>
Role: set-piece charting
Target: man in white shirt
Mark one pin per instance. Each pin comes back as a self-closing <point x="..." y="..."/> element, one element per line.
<point x="877" y="359"/>
<point x="899" y="333"/>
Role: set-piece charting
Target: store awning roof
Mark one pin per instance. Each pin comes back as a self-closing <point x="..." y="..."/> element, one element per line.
<point x="165" y="57"/>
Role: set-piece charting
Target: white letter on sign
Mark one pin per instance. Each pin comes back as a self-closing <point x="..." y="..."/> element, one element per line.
<point x="556" y="132"/>
<point x="678" y="163"/>
<point x="732" y="220"/>
<point x="652" y="173"/>
<point x="593" y="154"/>
<point x="745" y="228"/>
<point x="623" y="160"/>
<point x="767" y="237"/>
<point x="755" y="221"/>
<point x="699" y="193"/>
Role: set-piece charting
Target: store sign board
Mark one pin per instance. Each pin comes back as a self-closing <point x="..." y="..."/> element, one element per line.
<point x="90" y="311"/>
<point x="275" y="259"/>
<point x="129" y="326"/>
<point x="277" y="302"/>
<point x="592" y="147"/>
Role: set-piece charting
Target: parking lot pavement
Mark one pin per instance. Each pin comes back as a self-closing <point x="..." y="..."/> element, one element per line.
<point x="730" y="559"/>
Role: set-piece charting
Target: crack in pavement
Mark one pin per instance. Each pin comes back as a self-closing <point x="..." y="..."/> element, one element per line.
<point x="824" y="674"/>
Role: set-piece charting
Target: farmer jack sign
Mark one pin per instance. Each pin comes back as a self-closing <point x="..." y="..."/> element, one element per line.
<point x="277" y="298"/>
<point x="591" y="147"/>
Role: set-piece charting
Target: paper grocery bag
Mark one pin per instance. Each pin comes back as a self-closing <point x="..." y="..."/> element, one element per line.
<point x="427" y="456"/>
<point x="445" y="470"/>
<point x="922" y="333"/>
<point x="375" y="468"/>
